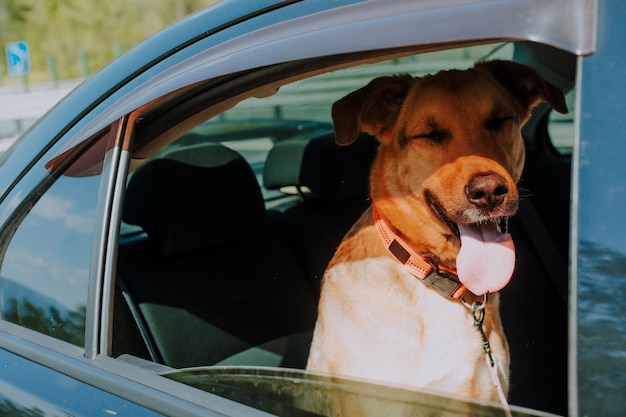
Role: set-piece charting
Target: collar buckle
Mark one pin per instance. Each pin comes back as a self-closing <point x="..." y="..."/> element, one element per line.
<point x="444" y="282"/>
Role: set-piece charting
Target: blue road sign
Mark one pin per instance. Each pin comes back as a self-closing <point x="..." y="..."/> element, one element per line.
<point x="18" y="58"/>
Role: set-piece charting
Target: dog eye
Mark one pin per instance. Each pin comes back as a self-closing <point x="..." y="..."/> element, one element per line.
<point x="435" y="136"/>
<point x="495" y="123"/>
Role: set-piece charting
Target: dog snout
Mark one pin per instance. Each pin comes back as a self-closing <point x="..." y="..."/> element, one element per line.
<point x="487" y="191"/>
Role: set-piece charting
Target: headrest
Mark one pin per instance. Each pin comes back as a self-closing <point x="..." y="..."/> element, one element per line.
<point x="330" y="171"/>
<point x="194" y="198"/>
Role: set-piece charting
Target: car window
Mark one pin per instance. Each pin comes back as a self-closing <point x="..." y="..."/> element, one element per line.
<point x="216" y="266"/>
<point x="44" y="274"/>
<point x="193" y="196"/>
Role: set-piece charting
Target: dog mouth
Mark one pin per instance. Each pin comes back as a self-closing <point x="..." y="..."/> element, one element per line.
<point x="501" y="222"/>
<point x="486" y="258"/>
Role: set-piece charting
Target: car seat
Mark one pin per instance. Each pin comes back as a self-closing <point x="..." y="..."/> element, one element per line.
<point x="211" y="279"/>
<point x="333" y="182"/>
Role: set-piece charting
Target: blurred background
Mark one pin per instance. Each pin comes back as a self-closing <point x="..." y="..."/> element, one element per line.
<point x="69" y="39"/>
<point x="47" y="47"/>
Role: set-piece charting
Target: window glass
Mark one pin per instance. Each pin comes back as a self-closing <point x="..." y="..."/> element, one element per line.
<point x="561" y="126"/>
<point x="44" y="274"/>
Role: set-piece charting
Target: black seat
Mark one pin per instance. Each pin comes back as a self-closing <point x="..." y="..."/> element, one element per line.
<point x="212" y="279"/>
<point x="334" y="184"/>
<point x="534" y="306"/>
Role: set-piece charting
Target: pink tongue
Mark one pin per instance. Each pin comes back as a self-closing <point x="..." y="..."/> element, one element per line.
<point x="487" y="257"/>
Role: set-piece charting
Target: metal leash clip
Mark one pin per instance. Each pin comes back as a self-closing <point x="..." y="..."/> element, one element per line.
<point x="478" y="313"/>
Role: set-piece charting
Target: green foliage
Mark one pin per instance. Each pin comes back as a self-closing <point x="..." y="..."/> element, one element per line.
<point x="66" y="28"/>
<point x="10" y="409"/>
<point x="68" y="327"/>
<point x="15" y="11"/>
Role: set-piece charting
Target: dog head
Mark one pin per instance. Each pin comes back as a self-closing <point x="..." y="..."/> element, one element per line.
<point x="450" y="154"/>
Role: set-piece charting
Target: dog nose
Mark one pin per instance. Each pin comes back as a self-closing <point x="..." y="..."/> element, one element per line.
<point x="486" y="191"/>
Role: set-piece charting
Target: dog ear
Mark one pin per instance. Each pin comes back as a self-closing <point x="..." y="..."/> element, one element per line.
<point x="525" y="84"/>
<point x="372" y="109"/>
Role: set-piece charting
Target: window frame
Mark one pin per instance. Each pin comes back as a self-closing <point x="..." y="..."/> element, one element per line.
<point x="231" y="52"/>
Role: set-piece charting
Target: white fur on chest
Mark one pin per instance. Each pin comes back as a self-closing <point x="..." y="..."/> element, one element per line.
<point x="378" y="322"/>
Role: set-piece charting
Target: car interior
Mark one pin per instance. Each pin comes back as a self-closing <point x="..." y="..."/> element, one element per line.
<point x="226" y="232"/>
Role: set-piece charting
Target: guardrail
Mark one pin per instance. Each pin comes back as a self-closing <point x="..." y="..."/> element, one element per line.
<point x="19" y="109"/>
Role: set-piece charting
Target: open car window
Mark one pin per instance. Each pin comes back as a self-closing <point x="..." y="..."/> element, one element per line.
<point x="228" y="225"/>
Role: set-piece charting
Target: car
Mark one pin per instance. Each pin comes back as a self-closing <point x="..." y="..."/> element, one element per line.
<point x="165" y="227"/>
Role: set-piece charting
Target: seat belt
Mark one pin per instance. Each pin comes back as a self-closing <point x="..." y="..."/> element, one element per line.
<point x="139" y="321"/>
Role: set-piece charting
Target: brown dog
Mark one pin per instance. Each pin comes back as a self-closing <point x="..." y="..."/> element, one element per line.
<point x="450" y="155"/>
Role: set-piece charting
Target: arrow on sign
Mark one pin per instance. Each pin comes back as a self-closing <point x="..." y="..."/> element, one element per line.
<point x="18" y="58"/>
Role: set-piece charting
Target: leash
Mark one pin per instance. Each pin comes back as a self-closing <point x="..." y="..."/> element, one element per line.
<point x="477" y="309"/>
<point x="445" y="282"/>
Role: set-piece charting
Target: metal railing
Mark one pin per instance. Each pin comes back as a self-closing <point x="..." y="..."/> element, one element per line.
<point x="19" y="108"/>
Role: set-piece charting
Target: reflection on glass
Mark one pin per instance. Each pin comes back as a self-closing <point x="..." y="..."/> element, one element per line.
<point x="298" y="393"/>
<point x="28" y="389"/>
<point x="10" y="409"/>
<point x="45" y="271"/>
<point x="601" y="328"/>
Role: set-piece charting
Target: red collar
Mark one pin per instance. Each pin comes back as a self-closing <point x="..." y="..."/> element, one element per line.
<point x="438" y="277"/>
